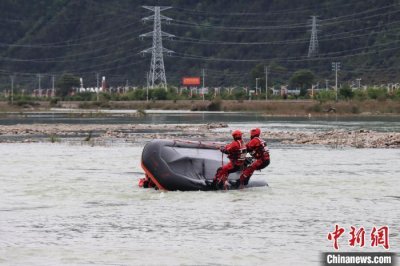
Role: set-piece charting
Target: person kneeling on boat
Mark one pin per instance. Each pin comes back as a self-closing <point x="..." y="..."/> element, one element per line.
<point x="259" y="151"/>
<point x="236" y="152"/>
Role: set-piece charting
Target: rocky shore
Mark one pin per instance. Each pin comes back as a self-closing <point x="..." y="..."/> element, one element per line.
<point x="141" y="133"/>
<point x="343" y="138"/>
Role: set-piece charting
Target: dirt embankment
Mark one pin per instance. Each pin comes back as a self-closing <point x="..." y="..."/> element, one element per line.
<point x="271" y="107"/>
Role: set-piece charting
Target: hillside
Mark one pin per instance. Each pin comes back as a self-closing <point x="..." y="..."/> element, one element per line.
<point x="229" y="40"/>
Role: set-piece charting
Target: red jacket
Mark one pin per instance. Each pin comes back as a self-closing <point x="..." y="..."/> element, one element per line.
<point x="258" y="148"/>
<point x="236" y="151"/>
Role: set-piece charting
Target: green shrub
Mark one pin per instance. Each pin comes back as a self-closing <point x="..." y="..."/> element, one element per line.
<point x="360" y="95"/>
<point x="397" y="94"/>
<point x="377" y="94"/>
<point x="240" y="95"/>
<point x="325" y="96"/>
<point x="104" y="96"/>
<point x="137" y="95"/>
<point x="346" y="92"/>
<point x="159" y="94"/>
<point x="25" y="103"/>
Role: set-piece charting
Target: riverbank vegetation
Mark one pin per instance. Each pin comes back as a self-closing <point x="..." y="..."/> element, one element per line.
<point x="270" y="107"/>
<point x="348" y="100"/>
<point x="240" y="94"/>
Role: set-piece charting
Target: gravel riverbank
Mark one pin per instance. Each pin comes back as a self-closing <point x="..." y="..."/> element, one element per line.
<point x="140" y="133"/>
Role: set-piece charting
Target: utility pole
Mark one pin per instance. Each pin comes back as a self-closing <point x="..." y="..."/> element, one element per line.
<point x="257" y="85"/>
<point x="326" y="84"/>
<point x="313" y="48"/>
<point x="266" y="83"/>
<point x="53" y="90"/>
<point x="40" y="86"/>
<point x="203" y="74"/>
<point x="336" y="68"/>
<point x="157" y="69"/>
<point x="312" y="91"/>
<point x="359" y="83"/>
<point x="147" y="86"/>
<point x="97" y="86"/>
<point x="12" y="77"/>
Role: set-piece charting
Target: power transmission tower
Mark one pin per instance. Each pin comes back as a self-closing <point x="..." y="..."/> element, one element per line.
<point x="313" y="48"/>
<point x="157" y="69"/>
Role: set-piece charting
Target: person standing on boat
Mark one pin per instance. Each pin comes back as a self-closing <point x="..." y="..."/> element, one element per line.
<point x="259" y="151"/>
<point x="236" y="152"/>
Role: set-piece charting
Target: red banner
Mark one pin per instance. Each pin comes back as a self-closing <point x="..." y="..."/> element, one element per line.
<point x="191" y="81"/>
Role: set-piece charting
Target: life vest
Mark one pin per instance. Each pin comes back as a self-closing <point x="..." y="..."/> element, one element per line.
<point x="239" y="155"/>
<point x="260" y="150"/>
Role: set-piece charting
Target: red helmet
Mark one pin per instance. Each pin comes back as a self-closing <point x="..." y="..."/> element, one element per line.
<point x="255" y="132"/>
<point x="237" y="134"/>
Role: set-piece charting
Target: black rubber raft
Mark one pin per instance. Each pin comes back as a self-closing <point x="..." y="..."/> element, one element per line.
<point x="186" y="165"/>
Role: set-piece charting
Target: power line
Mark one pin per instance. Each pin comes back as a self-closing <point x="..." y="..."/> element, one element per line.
<point x="69" y="43"/>
<point x="299" y="10"/>
<point x="104" y="13"/>
<point x="239" y="28"/>
<point x="321" y="58"/>
<point x="59" y="59"/>
<point x="84" y="70"/>
<point x="325" y="37"/>
<point x="278" y="27"/>
<point x="96" y="37"/>
<point x="329" y="21"/>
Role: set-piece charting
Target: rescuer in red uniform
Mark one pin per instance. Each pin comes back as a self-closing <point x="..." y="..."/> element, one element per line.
<point x="236" y="151"/>
<point x="259" y="151"/>
<point x="146" y="182"/>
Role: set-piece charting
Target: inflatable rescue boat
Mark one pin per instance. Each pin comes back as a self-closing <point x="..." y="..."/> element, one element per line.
<point x="185" y="165"/>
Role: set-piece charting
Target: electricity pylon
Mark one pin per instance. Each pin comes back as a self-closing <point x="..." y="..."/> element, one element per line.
<point x="157" y="70"/>
<point x="313" y="48"/>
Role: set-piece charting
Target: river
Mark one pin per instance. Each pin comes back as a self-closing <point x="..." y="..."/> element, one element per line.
<point x="70" y="204"/>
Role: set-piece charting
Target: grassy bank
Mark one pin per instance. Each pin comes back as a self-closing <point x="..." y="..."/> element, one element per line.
<point x="273" y="107"/>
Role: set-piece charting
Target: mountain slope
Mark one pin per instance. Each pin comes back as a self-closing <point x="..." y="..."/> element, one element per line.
<point x="227" y="39"/>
